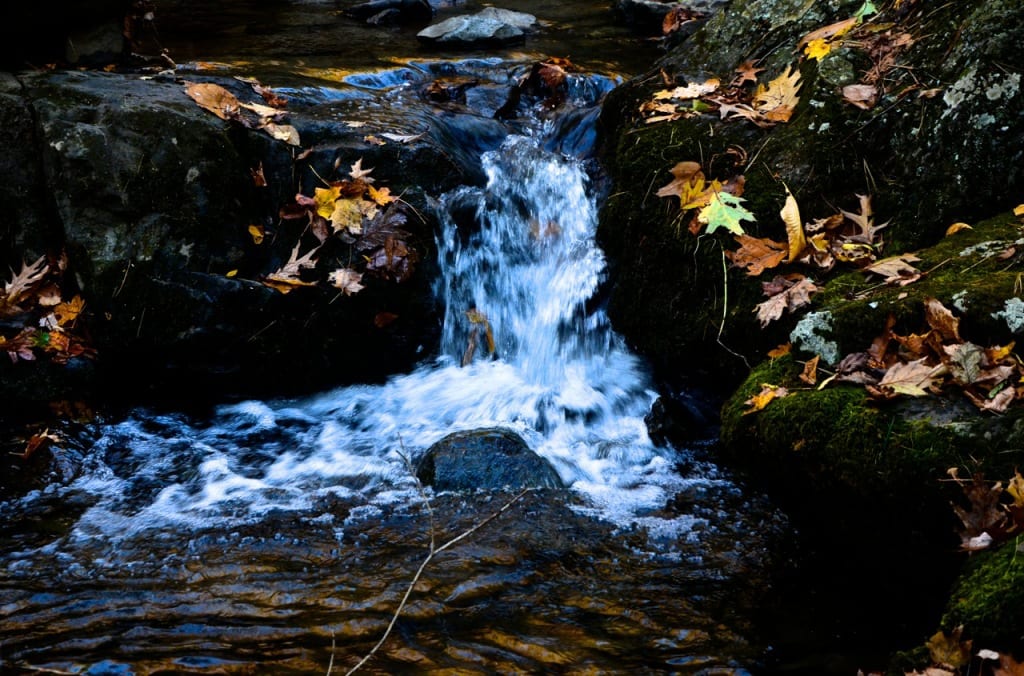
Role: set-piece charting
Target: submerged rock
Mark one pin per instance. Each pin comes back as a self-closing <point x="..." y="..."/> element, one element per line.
<point x="488" y="459"/>
<point x="490" y="27"/>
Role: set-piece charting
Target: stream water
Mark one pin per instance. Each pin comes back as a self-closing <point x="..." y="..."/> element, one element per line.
<point x="280" y="536"/>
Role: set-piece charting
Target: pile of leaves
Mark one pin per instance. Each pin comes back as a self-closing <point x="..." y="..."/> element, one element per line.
<point x="935" y="361"/>
<point x="994" y="513"/>
<point x="355" y="212"/>
<point x="744" y="97"/>
<point x="951" y="655"/>
<point x="36" y="322"/>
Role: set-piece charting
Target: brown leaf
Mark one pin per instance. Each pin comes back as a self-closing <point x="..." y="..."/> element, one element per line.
<point x="997" y="403"/>
<point x="828" y="32"/>
<point x="677" y="17"/>
<point x="780" y="351"/>
<point x="693" y="90"/>
<point x="948" y="650"/>
<point x="69" y="311"/>
<point x="942" y="320"/>
<point x="896" y="269"/>
<point x="746" y="72"/>
<point x="957" y="227"/>
<point x="22" y="283"/>
<point x="360" y="174"/>
<point x="865" y="221"/>
<point x="347" y="280"/>
<point x="687" y="184"/>
<point x="864" y="96"/>
<point x="880" y="345"/>
<point x="789" y="300"/>
<point x="756" y="255"/>
<point x="913" y="379"/>
<point x="810" y="372"/>
<point x="215" y="99"/>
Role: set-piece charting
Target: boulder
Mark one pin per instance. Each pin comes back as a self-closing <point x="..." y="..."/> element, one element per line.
<point x="379" y="12"/>
<point x="490" y="27"/>
<point x="488" y="459"/>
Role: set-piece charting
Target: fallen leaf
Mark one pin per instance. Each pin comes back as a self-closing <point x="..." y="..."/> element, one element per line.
<point x="347" y="216"/>
<point x="789" y="300"/>
<point x="756" y="255"/>
<point x="691" y="91"/>
<point x="215" y="99"/>
<point x="942" y="320"/>
<point x="257" y="232"/>
<point x="957" y="227"/>
<point x="864" y="96"/>
<point x="687" y="183"/>
<point x="1018" y="210"/>
<point x="724" y="211"/>
<point x="401" y="138"/>
<point x="767" y="394"/>
<point x="790" y="215"/>
<point x="828" y="32"/>
<point x="23" y="282"/>
<point x="817" y="49"/>
<point x="913" y="379"/>
<point x="810" y="372"/>
<point x="896" y="269"/>
<point x="778" y="101"/>
<point x="347" y="280"/>
<point x="780" y="351"/>
<point x="865" y="221"/>
<point x="358" y="173"/>
<point x="383" y="197"/>
<point x="69" y="311"/>
<point x="747" y="72"/>
<point x="948" y="650"/>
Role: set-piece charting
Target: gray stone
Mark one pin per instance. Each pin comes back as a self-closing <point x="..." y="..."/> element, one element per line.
<point x="489" y="27"/>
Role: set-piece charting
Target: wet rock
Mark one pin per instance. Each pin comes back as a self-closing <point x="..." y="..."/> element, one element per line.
<point x="383" y="12"/>
<point x="489" y="459"/>
<point x="491" y="27"/>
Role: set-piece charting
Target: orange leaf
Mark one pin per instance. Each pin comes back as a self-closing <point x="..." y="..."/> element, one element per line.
<point x="810" y="372"/>
<point x="756" y="255"/>
<point x="764" y="397"/>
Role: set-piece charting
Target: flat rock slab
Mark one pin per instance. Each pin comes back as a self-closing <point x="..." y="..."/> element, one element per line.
<point x="489" y="27"/>
<point x="487" y="459"/>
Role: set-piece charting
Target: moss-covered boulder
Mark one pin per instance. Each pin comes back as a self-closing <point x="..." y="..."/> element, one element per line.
<point x="988" y="599"/>
<point x="940" y="142"/>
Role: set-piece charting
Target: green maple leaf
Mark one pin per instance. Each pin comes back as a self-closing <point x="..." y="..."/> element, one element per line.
<point x="724" y="211"/>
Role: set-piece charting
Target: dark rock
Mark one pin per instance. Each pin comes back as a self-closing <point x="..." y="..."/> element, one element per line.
<point x="490" y="27"/>
<point x="381" y="12"/>
<point x="489" y="459"/>
<point x="677" y="421"/>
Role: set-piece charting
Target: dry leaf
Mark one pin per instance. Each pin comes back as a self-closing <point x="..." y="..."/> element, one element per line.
<point x="957" y="227"/>
<point x="767" y="394"/>
<point x="913" y="379"/>
<point x="21" y="283"/>
<point x="790" y="215"/>
<point x="810" y="372"/>
<point x="778" y="101"/>
<point x="347" y="280"/>
<point x="864" y="96"/>
<point x="69" y="311"/>
<point x="747" y="72"/>
<point x="896" y="269"/>
<point x="688" y="183"/>
<point x="691" y="91"/>
<point x="942" y="320"/>
<point x="756" y="255"/>
<point x="829" y="32"/>
<point x="358" y="173"/>
<point x="789" y="300"/>
<point x="780" y="351"/>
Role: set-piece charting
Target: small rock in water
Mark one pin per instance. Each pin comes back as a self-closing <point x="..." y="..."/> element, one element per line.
<point x="487" y="459"/>
<point x="487" y="28"/>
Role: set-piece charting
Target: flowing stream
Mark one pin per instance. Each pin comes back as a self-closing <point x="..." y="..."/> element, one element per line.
<point x="277" y="536"/>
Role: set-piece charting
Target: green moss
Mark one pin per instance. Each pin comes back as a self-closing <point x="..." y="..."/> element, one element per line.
<point x="988" y="599"/>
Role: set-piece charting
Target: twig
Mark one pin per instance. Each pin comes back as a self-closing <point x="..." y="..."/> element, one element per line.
<point x="430" y="556"/>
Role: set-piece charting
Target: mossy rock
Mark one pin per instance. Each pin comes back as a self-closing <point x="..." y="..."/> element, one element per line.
<point x="926" y="161"/>
<point x="988" y="599"/>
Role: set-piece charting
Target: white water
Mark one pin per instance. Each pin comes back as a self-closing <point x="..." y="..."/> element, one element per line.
<point x="560" y="377"/>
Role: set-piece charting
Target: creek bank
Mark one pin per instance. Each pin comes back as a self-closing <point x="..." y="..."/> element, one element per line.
<point x="859" y="478"/>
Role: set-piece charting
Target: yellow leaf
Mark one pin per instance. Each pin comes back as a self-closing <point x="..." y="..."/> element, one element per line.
<point x="794" y="227"/>
<point x="817" y="49"/>
<point x="347" y="216"/>
<point x="687" y="184"/>
<point x="957" y="227"/>
<point x="764" y="397"/>
<point x="829" y="32"/>
<point x="325" y="199"/>
<point x="257" y="233"/>
<point x="778" y="101"/>
<point x="382" y="196"/>
<point x="780" y="351"/>
<point x="69" y="311"/>
<point x="1018" y="210"/>
<point x="231" y="273"/>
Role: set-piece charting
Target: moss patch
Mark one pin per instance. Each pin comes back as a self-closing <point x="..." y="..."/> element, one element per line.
<point x="989" y="598"/>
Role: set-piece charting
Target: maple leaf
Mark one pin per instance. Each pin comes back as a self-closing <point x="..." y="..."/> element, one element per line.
<point x="778" y="101"/>
<point x="948" y="650"/>
<point x="790" y="215"/>
<point x="791" y="299"/>
<point x="69" y="311"/>
<point x="724" y="211"/>
<point x="347" y="215"/>
<point x="347" y="280"/>
<point x="817" y="49"/>
<point x="22" y="283"/>
<point x="360" y="174"/>
<point x="997" y="402"/>
<point x="324" y="199"/>
<point x="383" y="197"/>
<point x="687" y="184"/>
<point x="767" y="394"/>
<point x="896" y="269"/>
<point x="756" y="255"/>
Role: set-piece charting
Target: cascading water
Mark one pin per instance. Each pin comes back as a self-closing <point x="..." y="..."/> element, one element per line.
<point x="176" y="521"/>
